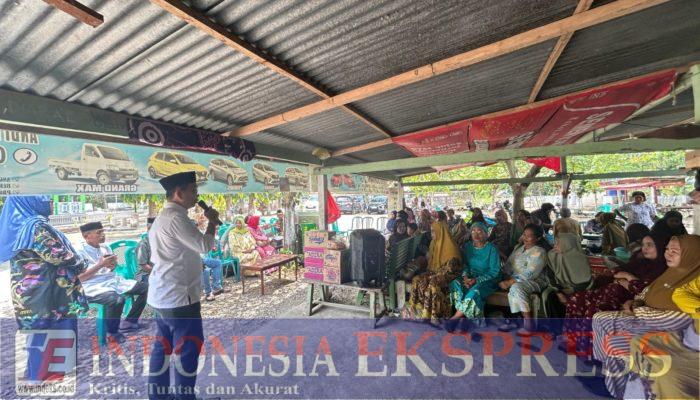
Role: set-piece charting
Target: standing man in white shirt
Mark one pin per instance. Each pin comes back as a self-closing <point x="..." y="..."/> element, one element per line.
<point x="175" y="287"/>
<point x="104" y="287"/>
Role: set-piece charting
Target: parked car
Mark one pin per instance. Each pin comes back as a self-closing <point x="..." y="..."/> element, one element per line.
<point x="310" y="203"/>
<point x="264" y="173"/>
<point x="227" y="171"/>
<point x="378" y="205"/>
<point x="105" y="164"/>
<point x="165" y="163"/>
<point x="348" y="205"/>
<point x="296" y="176"/>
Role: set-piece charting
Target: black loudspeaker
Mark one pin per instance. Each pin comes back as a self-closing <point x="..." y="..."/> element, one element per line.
<point x="367" y="258"/>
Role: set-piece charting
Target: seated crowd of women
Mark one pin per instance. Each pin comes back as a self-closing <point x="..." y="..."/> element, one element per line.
<point x="657" y="293"/>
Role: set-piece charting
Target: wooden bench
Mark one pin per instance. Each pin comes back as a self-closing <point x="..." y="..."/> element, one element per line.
<point x="277" y="260"/>
<point x="315" y="305"/>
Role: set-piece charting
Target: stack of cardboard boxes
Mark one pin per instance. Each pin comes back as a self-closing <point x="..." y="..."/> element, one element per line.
<point x="322" y="263"/>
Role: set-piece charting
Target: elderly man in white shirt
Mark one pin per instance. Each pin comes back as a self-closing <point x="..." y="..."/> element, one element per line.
<point x="175" y="286"/>
<point x="103" y="286"/>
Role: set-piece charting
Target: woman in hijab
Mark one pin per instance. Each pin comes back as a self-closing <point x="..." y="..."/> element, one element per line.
<point x="571" y="271"/>
<point x="522" y="220"/>
<point x="44" y="267"/>
<point x="241" y="243"/>
<point x="613" y="234"/>
<point x="425" y="220"/>
<point x="501" y="234"/>
<point x="652" y="310"/>
<point x="399" y="234"/>
<point x="482" y="268"/>
<point x="635" y="234"/>
<point x="612" y="291"/>
<point x="477" y="216"/>
<point x="429" y="298"/>
<point x="262" y="242"/>
<point x="670" y="225"/>
<point x="523" y="276"/>
<point x="681" y="381"/>
<point x="410" y="215"/>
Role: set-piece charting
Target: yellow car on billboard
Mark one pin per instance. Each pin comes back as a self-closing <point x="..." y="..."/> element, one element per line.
<point x="165" y="163"/>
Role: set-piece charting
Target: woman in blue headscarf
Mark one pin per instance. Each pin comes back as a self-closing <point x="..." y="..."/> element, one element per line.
<point x="45" y="289"/>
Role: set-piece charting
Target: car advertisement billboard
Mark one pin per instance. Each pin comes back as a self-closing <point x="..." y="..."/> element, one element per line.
<point x="35" y="163"/>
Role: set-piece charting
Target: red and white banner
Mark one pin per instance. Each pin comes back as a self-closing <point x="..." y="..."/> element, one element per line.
<point x="446" y="139"/>
<point x="559" y="122"/>
<point x="599" y="108"/>
<point x="511" y="130"/>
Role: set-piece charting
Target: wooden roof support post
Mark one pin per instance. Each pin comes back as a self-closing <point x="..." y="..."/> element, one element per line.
<point x="200" y="21"/>
<point x="695" y="80"/>
<point x="565" y="183"/>
<point x="529" y="38"/>
<point x="78" y="11"/>
<point x="322" y="205"/>
<point x="583" y="5"/>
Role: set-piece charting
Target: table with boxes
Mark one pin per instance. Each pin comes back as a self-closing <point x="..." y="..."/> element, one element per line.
<point x="327" y="263"/>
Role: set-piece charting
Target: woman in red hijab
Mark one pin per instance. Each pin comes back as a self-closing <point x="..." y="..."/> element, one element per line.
<point x="262" y="242"/>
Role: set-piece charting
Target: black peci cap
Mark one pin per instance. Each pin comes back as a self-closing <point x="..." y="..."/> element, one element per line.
<point x="179" y="179"/>
<point x="91" y="226"/>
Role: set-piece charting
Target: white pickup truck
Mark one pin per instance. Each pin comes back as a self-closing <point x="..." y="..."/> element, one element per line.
<point x="105" y="164"/>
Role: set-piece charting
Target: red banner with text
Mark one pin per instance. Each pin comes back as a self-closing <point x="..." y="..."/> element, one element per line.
<point x="559" y="122"/>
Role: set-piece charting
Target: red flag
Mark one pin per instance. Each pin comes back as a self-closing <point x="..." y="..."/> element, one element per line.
<point x="332" y="210"/>
<point x="553" y="163"/>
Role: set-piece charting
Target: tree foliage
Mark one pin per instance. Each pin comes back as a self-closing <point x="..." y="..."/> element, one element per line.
<point x="590" y="164"/>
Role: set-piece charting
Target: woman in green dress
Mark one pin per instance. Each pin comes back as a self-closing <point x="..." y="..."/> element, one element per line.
<point x="482" y="271"/>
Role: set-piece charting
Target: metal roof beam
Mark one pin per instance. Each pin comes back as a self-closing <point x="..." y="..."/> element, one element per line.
<point x="558" y="177"/>
<point x="608" y="147"/>
<point x="553" y="30"/>
<point x="78" y="11"/>
<point x="211" y="28"/>
<point x="583" y="5"/>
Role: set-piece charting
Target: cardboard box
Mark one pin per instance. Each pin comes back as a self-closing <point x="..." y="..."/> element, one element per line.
<point x="317" y="238"/>
<point x="313" y="272"/>
<point x="314" y="252"/>
<point x="336" y="275"/>
<point x="332" y="275"/>
<point x="336" y="258"/>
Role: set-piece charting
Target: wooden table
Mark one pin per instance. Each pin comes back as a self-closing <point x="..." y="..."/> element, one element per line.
<point x="277" y="260"/>
<point x="315" y="305"/>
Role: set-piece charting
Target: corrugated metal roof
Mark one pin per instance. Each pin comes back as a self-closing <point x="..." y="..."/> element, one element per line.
<point x="479" y="89"/>
<point x="661" y="37"/>
<point x="143" y="61"/>
<point x="344" y="44"/>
